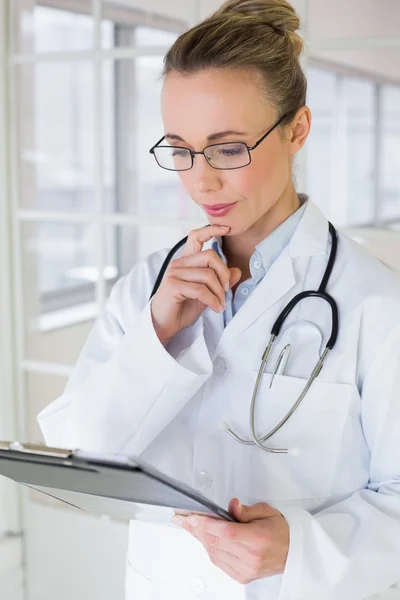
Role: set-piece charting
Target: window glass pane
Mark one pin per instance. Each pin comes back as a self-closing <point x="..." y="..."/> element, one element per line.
<point x="66" y="258"/>
<point x="56" y="123"/>
<point x="359" y="107"/>
<point x="143" y="188"/>
<point x="149" y="36"/>
<point x="322" y="94"/>
<point x="55" y="29"/>
<point x="58" y="278"/>
<point x="57" y="136"/>
<point x="341" y="167"/>
<point x="58" y="30"/>
<point x="61" y="256"/>
<point x="390" y="155"/>
<point x="131" y="243"/>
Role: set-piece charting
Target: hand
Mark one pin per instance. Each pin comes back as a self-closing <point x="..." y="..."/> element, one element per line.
<point x="255" y="548"/>
<point x="191" y="283"/>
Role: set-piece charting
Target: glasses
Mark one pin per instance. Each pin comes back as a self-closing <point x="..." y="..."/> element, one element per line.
<point x="229" y="155"/>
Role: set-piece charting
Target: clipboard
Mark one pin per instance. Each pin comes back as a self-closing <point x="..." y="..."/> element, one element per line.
<point x="119" y="486"/>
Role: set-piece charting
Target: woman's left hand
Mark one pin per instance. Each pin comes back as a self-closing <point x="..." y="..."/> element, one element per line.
<point x="255" y="548"/>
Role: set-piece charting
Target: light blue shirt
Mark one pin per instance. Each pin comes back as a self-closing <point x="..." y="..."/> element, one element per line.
<point x="262" y="259"/>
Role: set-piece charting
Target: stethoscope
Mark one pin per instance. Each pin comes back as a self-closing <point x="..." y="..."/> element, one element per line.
<point x="320" y="293"/>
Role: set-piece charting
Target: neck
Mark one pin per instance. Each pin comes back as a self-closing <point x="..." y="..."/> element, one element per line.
<point x="238" y="249"/>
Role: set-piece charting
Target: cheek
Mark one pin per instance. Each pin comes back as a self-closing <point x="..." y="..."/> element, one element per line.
<point x="264" y="173"/>
<point x="270" y="169"/>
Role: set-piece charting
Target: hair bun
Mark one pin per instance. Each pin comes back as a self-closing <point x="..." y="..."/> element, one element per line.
<point x="280" y="15"/>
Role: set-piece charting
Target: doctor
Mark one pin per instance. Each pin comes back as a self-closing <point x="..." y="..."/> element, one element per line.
<point x="166" y="378"/>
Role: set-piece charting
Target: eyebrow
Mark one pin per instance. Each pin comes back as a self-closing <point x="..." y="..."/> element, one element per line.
<point x="210" y="138"/>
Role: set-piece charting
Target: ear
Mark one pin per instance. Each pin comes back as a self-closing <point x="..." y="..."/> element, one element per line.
<point x="299" y="129"/>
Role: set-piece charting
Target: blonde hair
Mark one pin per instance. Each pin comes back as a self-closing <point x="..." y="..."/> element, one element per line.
<point x="255" y="35"/>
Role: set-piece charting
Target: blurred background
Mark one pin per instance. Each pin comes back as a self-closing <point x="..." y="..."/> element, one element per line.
<point x="81" y="200"/>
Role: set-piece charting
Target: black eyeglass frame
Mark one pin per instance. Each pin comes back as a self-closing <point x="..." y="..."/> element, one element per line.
<point x="192" y="153"/>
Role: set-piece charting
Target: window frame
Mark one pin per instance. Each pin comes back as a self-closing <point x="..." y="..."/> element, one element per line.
<point x="125" y="21"/>
<point x="379" y="81"/>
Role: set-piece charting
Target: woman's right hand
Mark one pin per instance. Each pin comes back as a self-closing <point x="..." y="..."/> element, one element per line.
<point x="192" y="282"/>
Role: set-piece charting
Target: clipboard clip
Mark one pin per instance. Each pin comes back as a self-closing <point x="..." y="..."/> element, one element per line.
<point x="36" y="449"/>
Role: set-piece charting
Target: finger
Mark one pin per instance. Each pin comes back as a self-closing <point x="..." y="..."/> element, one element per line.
<point x="183" y="290"/>
<point x="208" y="258"/>
<point x="241" y="533"/>
<point x="198" y="237"/>
<point x="226" y="557"/>
<point x="223" y="530"/>
<point x="235" y="275"/>
<point x="247" y="514"/>
<point x="213" y="543"/>
<point x="204" y="275"/>
<point x="234" y="559"/>
<point x="230" y="570"/>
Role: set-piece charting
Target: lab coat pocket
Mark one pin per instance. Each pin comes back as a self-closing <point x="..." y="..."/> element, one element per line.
<point x="312" y="434"/>
<point x="137" y="586"/>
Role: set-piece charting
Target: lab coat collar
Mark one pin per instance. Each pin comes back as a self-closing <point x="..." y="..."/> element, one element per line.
<point x="309" y="239"/>
<point x="311" y="235"/>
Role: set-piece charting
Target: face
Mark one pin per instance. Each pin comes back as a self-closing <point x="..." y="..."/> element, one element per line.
<point x="198" y="109"/>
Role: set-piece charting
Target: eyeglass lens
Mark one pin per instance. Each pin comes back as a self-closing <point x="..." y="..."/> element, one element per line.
<point x="221" y="156"/>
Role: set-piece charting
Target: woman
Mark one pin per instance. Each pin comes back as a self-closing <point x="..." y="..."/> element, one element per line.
<point x="158" y="378"/>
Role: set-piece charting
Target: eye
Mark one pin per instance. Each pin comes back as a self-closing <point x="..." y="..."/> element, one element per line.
<point x="182" y="152"/>
<point x="231" y="150"/>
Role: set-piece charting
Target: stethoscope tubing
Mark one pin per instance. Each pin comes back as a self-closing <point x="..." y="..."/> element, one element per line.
<point x="320" y="293"/>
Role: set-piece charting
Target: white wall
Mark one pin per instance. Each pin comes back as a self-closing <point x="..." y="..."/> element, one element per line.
<point x="355" y="18"/>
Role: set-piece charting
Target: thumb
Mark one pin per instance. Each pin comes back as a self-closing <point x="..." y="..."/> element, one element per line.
<point x="246" y="514"/>
<point x="235" y="275"/>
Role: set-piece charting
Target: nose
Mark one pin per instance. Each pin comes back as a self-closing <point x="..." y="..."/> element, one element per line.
<point x="205" y="177"/>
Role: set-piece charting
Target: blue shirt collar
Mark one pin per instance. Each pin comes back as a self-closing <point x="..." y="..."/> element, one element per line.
<point x="268" y="250"/>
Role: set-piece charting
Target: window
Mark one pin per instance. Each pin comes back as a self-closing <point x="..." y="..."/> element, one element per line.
<point x="390" y="152"/>
<point x="353" y="115"/>
<point x="342" y="166"/>
<point x="321" y="99"/>
<point x="58" y="158"/>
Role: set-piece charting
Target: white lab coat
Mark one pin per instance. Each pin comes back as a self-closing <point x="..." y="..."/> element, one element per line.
<point x="340" y="495"/>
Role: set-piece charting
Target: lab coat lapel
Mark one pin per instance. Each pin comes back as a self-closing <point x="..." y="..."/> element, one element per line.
<point x="276" y="283"/>
<point x="214" y="325"/>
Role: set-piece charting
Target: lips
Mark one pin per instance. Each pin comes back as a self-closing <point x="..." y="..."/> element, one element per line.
<point x="218" y="210"/>
<point x="217" y="206"/>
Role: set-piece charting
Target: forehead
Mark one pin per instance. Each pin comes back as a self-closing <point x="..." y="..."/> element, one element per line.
<point x="214" y="100"/>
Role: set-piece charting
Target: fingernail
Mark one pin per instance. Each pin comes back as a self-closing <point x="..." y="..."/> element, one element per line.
<point x="193" y="521"/>
<point x="177" y="520"/>
<point x="227" y="286"/>
<point x="224" y="226"/>
<point x="221" y="309"/>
